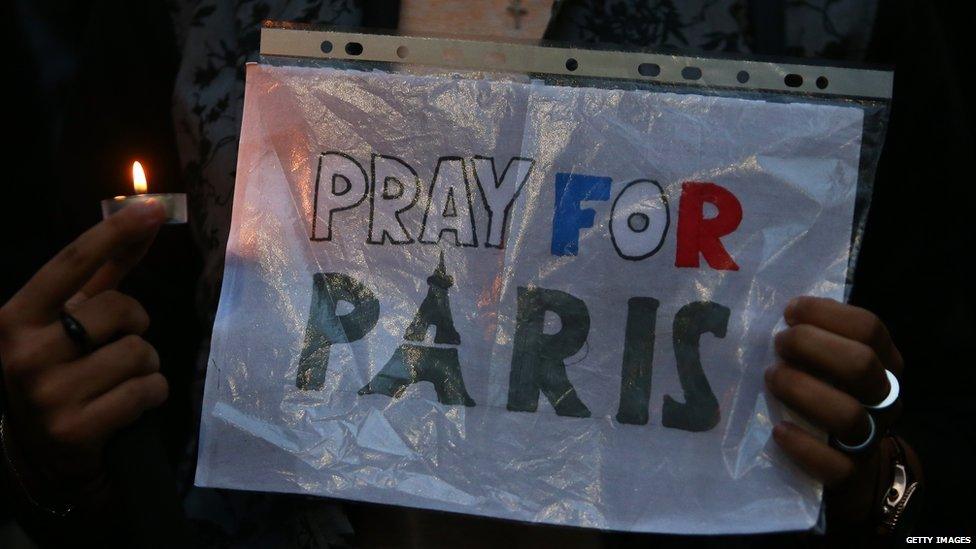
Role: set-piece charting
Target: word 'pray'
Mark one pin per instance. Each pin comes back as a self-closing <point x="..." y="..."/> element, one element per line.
<point x="639" y="216"/>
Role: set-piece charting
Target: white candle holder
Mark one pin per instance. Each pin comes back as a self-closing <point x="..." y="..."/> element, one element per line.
<point x="174" y="205"/>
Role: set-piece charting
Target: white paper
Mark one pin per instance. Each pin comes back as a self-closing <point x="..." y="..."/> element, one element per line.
<point x="792" y="167"/>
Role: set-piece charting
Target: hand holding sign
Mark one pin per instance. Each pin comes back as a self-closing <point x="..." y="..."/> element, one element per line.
<point x="833" y="359"/>
<point x="65" y="401"/>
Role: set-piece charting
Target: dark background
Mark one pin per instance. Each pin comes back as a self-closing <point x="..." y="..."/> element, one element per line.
<point x="87" y="89"/>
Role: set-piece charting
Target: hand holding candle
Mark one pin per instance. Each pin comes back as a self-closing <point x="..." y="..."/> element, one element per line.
<point x="75" y="365"/>
<point x="174" y="204"/>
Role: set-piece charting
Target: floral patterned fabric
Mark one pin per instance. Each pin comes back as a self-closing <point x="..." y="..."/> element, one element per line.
<point x="832" y="29"/>
<point x="217" y="40"/>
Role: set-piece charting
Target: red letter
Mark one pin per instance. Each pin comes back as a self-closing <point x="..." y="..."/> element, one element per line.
<point x="697" y="234"/>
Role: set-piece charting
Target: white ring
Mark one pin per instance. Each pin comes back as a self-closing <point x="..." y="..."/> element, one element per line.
<point x="860" y="447"/>
<point x="894" y="390"/>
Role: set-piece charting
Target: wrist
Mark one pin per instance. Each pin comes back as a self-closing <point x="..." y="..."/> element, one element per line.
<point x="45" y="492"/>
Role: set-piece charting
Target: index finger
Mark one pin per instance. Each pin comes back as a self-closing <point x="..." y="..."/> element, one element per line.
<point x="46" y="292"/>
<point x="847" y="321"/>
<point x="114" y="270"/>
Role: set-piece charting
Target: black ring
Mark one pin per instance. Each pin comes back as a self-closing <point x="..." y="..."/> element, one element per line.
<point x="76" y="332"/>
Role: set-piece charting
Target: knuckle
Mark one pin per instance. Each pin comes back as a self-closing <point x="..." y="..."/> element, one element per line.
<point x="14" y="369"/>
<point x="113" y="299"/>
<point x="804" y="332"/>
<point x="147" y="353"/>
<point x="788" y="341"/>
<point x="132" y="392"/>
<point x="804" y="306"/>
<point x="72" y="253"/>
<point x="138" y="317"/>
<point x="863" y="361"/>
<point x="128" y="310"/>
<point x="65" y="430"/>
<point x="846" y="471"/>
<point x="876" y="331"/>
<point x="151" y="364"/>
<point x="158" y="388"/>
<point x="899" y="363"/>
<point x="11" y="347"/>
<point x="159" y="382"/>
<point x="148" y="391"/>
<point x="784" y="339"/>
<point x="6" y="322"/>
<point x="134" y="347"/>
<point x="850" y="416"/>
<point x="776" y="379"/>
<point x="46" y="395"/>
<point x="22" y="359"/>
<point x="118" y="223"/>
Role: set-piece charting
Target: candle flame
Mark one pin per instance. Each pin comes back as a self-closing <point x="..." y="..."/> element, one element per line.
<point x="139" y="178"/>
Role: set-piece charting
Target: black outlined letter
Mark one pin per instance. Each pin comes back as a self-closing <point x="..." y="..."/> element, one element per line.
<point x="345" y="187"/>
<point x="449" y="207"/>
<point x="639" y="220"/>
<point x="394" y="189"/>
<point x="498" y="195"/>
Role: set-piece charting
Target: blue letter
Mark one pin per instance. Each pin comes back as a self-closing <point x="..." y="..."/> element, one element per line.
<point x="567" y="217"/>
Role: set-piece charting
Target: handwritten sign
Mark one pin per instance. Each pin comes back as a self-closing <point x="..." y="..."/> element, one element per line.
<point x="542" y="303"/>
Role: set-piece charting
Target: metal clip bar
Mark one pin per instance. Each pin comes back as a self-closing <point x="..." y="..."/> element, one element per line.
<point x="283" y="40"/>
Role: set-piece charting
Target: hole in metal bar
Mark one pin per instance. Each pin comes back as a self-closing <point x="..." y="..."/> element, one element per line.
<point x="649" y="69"/>
<point x="402" y="52"/>
<point x="325" y="46"/>
<point x="354" y="48"/>
<point x="822" y="82"/>
<point x="691" y="73"/>
<point x="572" y="64"/>
<point x="793" y="80"/>
<point x="742" y="77"/>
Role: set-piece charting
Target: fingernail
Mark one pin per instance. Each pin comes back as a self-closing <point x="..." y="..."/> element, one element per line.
<point x="790" y="310"/>
<point x="151" y="211"/>
<point x="782" y="428"/>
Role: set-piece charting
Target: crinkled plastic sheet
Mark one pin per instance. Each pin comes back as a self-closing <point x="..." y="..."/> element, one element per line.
<point x="801" y="166"/>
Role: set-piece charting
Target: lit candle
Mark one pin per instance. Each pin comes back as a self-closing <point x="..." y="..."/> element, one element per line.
<point x="173" y="203"/>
